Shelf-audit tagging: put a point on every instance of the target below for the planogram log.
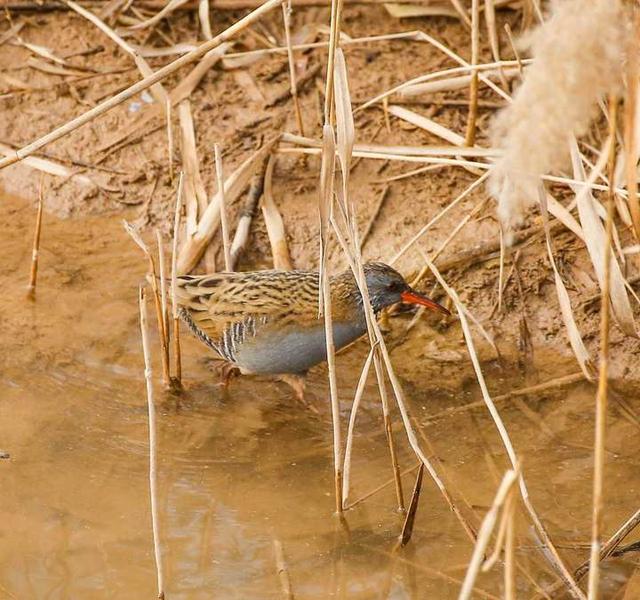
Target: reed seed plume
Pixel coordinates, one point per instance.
(578, 56)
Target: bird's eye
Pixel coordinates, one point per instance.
(394, 286)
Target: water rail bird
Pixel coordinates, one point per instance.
(267, 322)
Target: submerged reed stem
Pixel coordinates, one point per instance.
(153, 476)
(603, 373)
(33, 274)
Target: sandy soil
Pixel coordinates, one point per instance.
(235, 108)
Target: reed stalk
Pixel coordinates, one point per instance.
(163, 289)
(153, 460)
(470, 137)
(224, 224)
(177, 358)
(153, 279)
(351, 427)
(33, 273)
(170, 143)
(286, 16)
(603, 374)
(484, 535)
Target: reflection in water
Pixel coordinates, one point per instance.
(240, 471)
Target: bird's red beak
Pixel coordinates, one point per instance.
(412, 297)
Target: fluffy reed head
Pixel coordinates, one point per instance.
(578, 55)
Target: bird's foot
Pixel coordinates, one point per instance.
(297, 383)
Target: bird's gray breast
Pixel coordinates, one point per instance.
(293, 351)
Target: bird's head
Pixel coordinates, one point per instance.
(386, 287)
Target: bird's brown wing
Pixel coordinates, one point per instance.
(228, 306)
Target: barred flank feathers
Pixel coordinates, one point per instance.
(578, 56)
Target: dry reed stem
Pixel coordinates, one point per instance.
(334, 38)
(552, 555)
(283, 571)
(484, 535)
(601, 397)
(470, 137)
(169, 115)
(427, 124)
(153, 277)
(33, 273)
(509, 549)
(51, 167)
(274, 223)
(409, 522)
(494, 42)
(326, 189)
(153, 476)
(501, 272)
(174, 286)
(205, 23)
(140, 86)
(286, 16)
(163, 289)
(346, 481)
(514, 48)
(247, 212)
(223, 209)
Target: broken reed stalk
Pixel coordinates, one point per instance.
(409, 522)
(163, 289)
(203, 15)
(177, 358)
(223, 209)
(286, 15)
(274, 223)
(470, 137)
(153, 477)
(138, 87)
(510, 548)
(169, 111)
(153, 276)
(484, 535)
(603, 373)
(351, 428)
(247, 212)
(33, 273)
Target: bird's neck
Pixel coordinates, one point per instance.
(346, 299)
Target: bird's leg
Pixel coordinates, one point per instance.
(227, 372)
(297, 383)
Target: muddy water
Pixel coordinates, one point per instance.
(242, 472)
